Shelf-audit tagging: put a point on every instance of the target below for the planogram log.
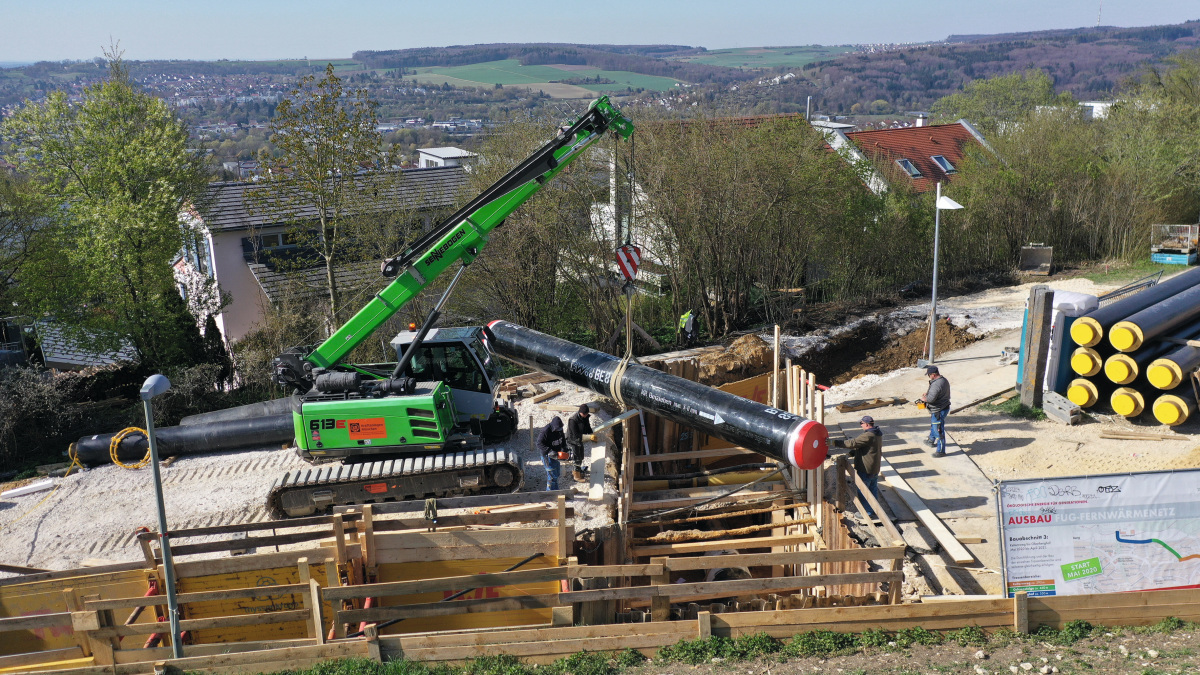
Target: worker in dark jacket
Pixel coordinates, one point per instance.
(578, 426)
(867, 451)
(937, 402)
(551, 441)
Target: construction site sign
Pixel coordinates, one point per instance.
(629, 258)
(1101, 534)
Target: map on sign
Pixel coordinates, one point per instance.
(1101, 534)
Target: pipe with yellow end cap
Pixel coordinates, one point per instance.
(1085, 393)
(1121, 368)
(1164, 374)
(1086, 361)
(1173, 410)
(1087, 331)
(1158, 320)
(1127, 402)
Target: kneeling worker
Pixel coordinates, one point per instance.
(867, 451)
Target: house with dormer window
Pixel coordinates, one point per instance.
(921, 156)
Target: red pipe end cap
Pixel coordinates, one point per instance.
(808, 445)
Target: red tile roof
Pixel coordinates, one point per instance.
(918, 145)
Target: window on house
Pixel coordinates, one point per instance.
(944, 163)
(909, 167)
(277, 240)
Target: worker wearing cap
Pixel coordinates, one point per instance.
(550, 442)
(867, 451)
(937, 401)
(578, 426)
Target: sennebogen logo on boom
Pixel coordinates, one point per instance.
(439, 252)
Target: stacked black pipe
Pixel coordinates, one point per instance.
(1133, 354)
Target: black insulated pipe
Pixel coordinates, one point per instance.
(777, 434)
(243, 434)
(1088, 330)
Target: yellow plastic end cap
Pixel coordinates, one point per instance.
(1081, 396)
(1120, 370)
(1125, 404)
(1168, 411)
(1085, 362)
(1124, 338)
(1085, 332)
(1162, 375)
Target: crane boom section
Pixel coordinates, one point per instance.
(463, 235)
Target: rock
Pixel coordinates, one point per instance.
(1152, 653)
(981, 670)
(1045, 660)
(717, 659)
(1027, 666)
(980, 655)
(1123, 650)
(1014, 669)
(1044, 670)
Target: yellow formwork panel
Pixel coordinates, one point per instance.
(46, 597)
(277, 576)
(451, 568)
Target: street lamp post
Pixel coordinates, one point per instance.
(156, 385)
(938, 205)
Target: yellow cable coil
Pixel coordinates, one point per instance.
(115, 443)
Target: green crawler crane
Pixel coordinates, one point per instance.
(419, 427)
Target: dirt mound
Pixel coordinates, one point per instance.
(745, 357)
(903, 352)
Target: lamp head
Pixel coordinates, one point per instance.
(155, 385)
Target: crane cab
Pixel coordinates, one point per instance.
(460, 357)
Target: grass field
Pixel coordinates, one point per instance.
(510, 72)
(768, 57)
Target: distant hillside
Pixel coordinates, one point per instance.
(642, 59)
(1088, 63)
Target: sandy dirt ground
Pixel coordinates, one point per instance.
(92, 516)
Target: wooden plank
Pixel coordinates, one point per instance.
(19, 569)
(456, 583)
(247, 542)
(432, 554)
(880, 512)
(672, 502)
(547, 396)
(957, 551)
(854, 406)
(418, 522)
(35, 658)
(318, 621)
(266, 660)
(429, 609)
(160, 653)
(202, 624)
(727, 544)
(502, 536)
(203, 596)
(719, 589)
(34, 622)
(418, 505)
(949, 609)
(502, 635)
(1021, 612)
(784, 558)
(692, 454)
(1099, 601)
(247, 563)
(291, 523)
(610, 571)
(553, 649)
(72, 573)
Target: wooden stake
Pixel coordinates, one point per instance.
(305, 575)
(562, 529)
(1021, 612)
(316, 620)
(660, 606)
(775, 372)
(368, 538)
(339, 538)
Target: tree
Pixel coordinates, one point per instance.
(329, 176)
(112, 172)
(1006, 98)
(21, 214)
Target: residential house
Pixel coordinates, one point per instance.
(922, 156)
(238, 247)
(447, 156)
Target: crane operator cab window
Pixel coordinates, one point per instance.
(451, 363)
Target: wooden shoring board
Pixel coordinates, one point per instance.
(721, 545)
(945, 537)
(416, 506)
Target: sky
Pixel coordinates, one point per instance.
(267, 29)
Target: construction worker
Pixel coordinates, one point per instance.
(867, 450)
(550, 442)
(688, 331)
(578, 426)
(937, 402)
